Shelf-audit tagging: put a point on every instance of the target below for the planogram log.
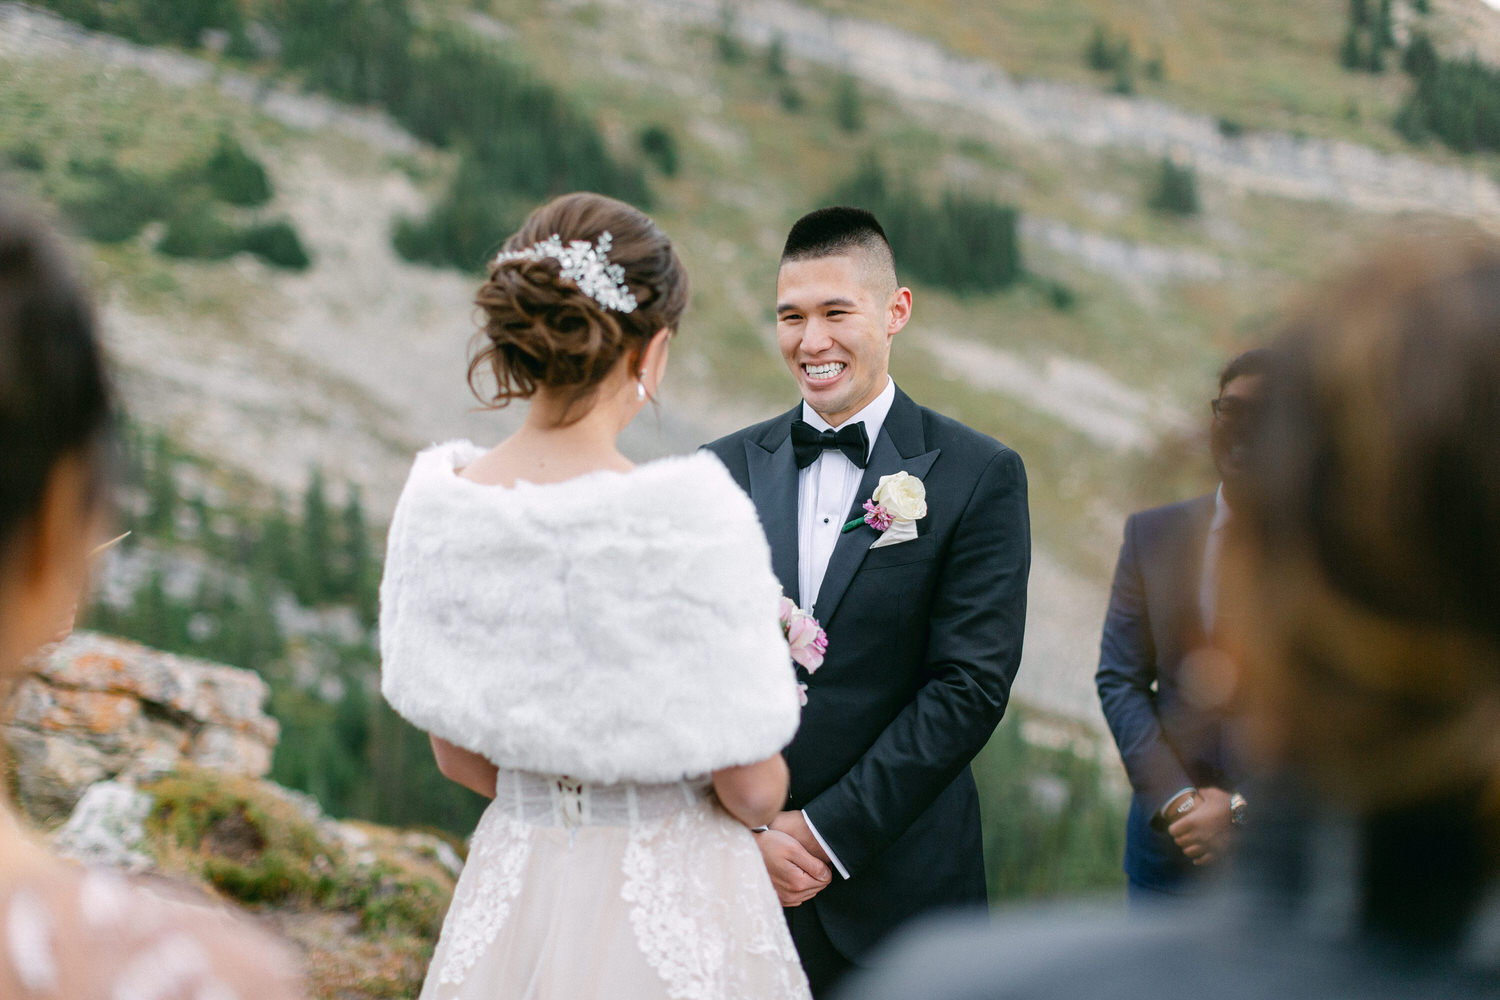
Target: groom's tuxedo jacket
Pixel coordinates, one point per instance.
(924, 638)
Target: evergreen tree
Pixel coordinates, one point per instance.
(1420, 57)
(1100, 52)
(362, 584)
(1385, 29)
(317, 548)
(1359, 13)
(1176, 189)
(776, 58)
(848, 106)
(1351, 53)
(161, 490)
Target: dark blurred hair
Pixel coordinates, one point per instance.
(542, 332)
(1256, 361)
(836, 231)
(1367, 547)
(54, 397)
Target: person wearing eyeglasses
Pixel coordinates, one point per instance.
(1157, 684)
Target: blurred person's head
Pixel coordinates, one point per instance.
(838, 304)
(1365, 560)
(1236, 417)
(54, 424)
(546, 336)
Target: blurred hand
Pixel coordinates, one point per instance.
(1203, 833)
(796, 874)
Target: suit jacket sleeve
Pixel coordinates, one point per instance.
(1127, 671)
(977, 620)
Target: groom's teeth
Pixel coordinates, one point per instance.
(824, 371)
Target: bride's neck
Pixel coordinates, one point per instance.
(587, 442)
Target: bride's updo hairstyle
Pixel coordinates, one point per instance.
(542, 332)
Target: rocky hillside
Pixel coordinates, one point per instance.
(155, 764)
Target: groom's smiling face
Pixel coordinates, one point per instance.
(835, 317)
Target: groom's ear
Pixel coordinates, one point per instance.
(897, 311)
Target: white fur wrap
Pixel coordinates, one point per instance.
(614, 627)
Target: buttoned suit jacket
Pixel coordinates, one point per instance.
(924, 639)
(1167, 739)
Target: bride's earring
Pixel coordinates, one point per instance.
(640, 387)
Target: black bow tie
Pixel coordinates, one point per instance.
(808, 443)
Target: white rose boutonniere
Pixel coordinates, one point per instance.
(900, 501)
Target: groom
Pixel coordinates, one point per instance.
(924, 632)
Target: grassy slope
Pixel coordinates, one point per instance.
(1272, 64)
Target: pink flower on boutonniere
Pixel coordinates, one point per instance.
(805, 639)
(900, 501)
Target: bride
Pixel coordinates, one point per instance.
(594, 646)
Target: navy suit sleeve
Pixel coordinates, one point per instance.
(1127, 671)
(977, 621)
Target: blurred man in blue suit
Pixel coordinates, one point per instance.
(1160, 691)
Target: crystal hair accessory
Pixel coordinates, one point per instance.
(586, 265)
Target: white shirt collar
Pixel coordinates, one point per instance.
(1221, 511)
(873, 415)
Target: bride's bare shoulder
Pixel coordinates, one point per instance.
(90, 933)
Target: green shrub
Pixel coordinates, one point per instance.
(848, 106)
(776, 58)
(197, 232)
(27, 156)
(1420, 57)
(1230, 128)
(234, 176)
(963, 243)
(1176, 189)
(117, 203)
(791, 98)
(1106, 53)
(659, 145)
(1457, 101)
(277, 244)
(1050, 828)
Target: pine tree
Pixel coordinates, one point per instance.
(361, 586)
(317, 544)
(1176, 190)
(776, 58)
(161, 490)
(1351, 53)
(1385, 32)
(848, 106)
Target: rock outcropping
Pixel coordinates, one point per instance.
(99, 708)
(155, 764)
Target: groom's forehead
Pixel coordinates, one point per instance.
(855, 273)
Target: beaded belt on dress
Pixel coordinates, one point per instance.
(558, 800)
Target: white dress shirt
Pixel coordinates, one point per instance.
(826, 491)
(1208, 583)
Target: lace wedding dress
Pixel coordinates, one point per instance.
(574, 890)
(622, 630)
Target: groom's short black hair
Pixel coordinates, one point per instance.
(838, 231)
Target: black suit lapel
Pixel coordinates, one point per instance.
(900, 447)
(773, 488)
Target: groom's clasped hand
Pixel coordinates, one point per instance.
(791, 854)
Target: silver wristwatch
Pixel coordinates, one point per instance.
(1238, 809)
